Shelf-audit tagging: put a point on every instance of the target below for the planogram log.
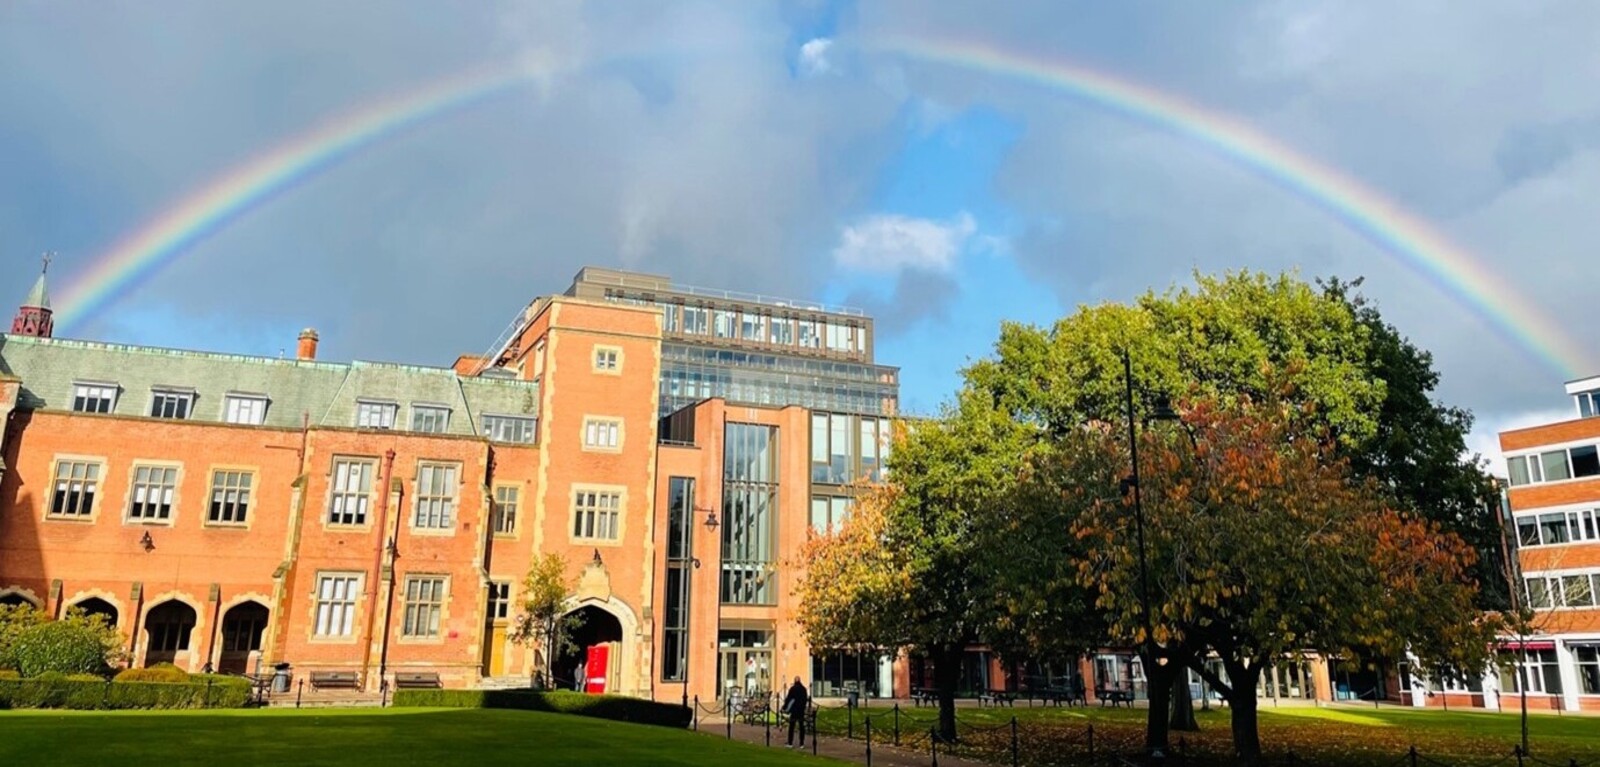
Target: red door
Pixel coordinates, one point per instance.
(595, 669)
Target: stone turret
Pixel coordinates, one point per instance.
(34, 316)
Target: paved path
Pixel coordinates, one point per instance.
(836, 748)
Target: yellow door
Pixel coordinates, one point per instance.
(496, 651)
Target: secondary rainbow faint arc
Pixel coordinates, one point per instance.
(201, 214)
(1378, 219)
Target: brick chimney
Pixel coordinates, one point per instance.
(308, 345)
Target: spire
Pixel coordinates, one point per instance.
(39, 297)
(33, 318)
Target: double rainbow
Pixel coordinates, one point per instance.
(1409, 239)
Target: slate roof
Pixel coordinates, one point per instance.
(326, 391)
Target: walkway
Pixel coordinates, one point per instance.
(835, 748)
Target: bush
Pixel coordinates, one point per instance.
(615, 707)
(52, 690)
(68, 647)
(14, 619)
(161, 672)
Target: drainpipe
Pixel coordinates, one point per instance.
(377, 568)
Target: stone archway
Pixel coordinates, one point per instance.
(598, 633)
(169, 632)
(18, 598)
(97, 606)
(243, 626)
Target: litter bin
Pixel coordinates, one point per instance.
(852, 698)
(280, 677)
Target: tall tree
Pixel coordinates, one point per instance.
(1262, 546)
(542, 622)
(908, 569)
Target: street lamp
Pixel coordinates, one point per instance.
(711, 525)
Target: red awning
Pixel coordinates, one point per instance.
(1537, 645)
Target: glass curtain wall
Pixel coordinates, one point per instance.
(749, 514)
(680, 570)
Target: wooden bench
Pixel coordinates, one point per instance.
(997, 697)
(1114, 697)
(921, 695)
(335, 680)
(753, 709)
(418, 680)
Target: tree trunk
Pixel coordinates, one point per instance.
(1242, 682)
(1182, 702)
(1158, 688)
(946, 672)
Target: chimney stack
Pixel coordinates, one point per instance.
(308, 345)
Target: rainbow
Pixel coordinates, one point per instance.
(1376, 218)
(146, 251)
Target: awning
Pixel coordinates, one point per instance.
(1535, 645)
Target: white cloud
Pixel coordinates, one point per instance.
(1484, 438)
(814, 57)
(891, 243)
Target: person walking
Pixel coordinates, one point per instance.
(794, 705)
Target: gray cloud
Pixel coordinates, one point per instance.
(918, 295)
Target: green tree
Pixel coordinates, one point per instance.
(14, 619)
(76, 644)
(542, 621)
(909, 570)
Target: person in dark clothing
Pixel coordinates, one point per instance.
(794, 706)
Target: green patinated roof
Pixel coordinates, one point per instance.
(326, 392)
(38, 297)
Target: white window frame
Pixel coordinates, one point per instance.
(334, 604)
(602, 433)
(438, 488)
(424, 412)
(95, 391)
(175, 399)
(505, 505)
(153, 485)
(422, 614)
(231, 497)
(498, 607)
(1533, 463)
(597, 515)
(82, 492)
(495, 427)
(608, 360)
(1582, 525)
(244, 409)
(376, 414)
(344, 501)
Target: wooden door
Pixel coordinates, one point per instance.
(495, 650)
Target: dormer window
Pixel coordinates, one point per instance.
(89, 397)
(245, 408)
(1588, 403)
(432, 419)
(375, 415)
(171, 403)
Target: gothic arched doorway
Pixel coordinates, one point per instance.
(98, 606)
(168, 627)
(592, 660)
(242, 627)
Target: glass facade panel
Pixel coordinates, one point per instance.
(690, 374)
(749, 514)
(1554, 464)
(680, 571)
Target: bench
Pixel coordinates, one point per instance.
(997, 697)
(753, 709)
(417, 681)
(335, 680)
(921, 695)
(1114, 697)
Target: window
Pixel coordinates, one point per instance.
(153, 487)
(607, 359)
(722, 323)
(602, 433)
(499, 600)
(375, 415)
(1588, 662)
(1588, 403)
(782, 331)
(94, 398)
(695, 320)
(752, 327)
(432, 419)
(230, 497)
(424, 604)
(680, 564)
(749, 514)
(505, 428)
(1539, 593)
(1554, 465)
(352, 491)
(1535, 668)
(1558, 527)
(828, 513)
(595, 515)
(436, 496)
(244, 408)
(1577, 590)
(170, 403)
(503, 514)
(1550, 591)
(336, 604)
(77, 482)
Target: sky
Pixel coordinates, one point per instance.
(792, 149)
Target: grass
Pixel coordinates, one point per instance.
(1343, 735)
(357, 738)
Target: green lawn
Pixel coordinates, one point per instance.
(1343, 735)
(359, 737)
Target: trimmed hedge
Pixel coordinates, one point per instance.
(163, 672)
(52, 692)
(615, 707)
